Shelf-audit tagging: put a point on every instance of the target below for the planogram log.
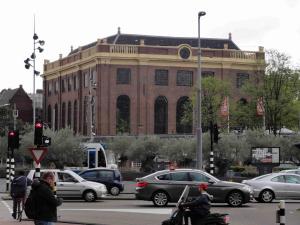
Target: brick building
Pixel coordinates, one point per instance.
(137, 83)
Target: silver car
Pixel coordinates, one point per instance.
(294, 171)
(71, 185)
(275, 186)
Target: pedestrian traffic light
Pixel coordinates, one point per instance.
(13, 139)
(38, 133)
(216, 133)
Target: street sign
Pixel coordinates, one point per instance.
(38, 154)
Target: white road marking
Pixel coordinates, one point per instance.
(7, 206)
(147, 211)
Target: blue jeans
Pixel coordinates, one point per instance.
(40, 222)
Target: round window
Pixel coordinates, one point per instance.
(185, 53)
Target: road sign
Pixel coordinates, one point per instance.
(38, 154)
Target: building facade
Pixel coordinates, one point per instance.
(139, 84)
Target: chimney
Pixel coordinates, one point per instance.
(71, 48)
(229, 36)
(46, 61)
(261, 48)
(20, 86)
(119, 30)
(60, 56)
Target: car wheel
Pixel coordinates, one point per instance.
(89, 196)
(235, 198)
(114, 191)
(266, 196)
(160, 198)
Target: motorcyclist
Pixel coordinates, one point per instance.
(199, 207)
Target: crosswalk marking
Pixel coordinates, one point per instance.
(162, 211)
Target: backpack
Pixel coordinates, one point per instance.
(30, 206)
(18, 187)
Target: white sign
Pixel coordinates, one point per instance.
(265, 155)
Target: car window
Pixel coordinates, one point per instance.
(64, 177)
(199, 177)
(89, 174)
(297, 172)
(180, 176)
(166, 176)
(292, 179)
(106, 174)
(278, 179)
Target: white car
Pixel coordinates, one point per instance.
(275, 186)
(71, 185)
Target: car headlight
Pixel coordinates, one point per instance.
(247, 188)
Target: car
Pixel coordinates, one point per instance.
(166, 186)
(295, 171)
(275, 186)
(71, 185)
(111, 178)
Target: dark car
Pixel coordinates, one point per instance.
(167, 185)
(111, 178)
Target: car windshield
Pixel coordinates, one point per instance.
(76, 176)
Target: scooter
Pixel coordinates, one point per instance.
(176, 217)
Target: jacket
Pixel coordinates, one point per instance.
(46, 202)
(200, 206)
(19, 186)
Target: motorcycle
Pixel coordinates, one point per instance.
(176, 217)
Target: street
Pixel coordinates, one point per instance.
(134, 212)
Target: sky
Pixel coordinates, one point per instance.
(273, 24)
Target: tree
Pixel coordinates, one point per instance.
(280, 91)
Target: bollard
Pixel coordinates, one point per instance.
(280, 214)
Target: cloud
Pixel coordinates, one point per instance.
(291, 3)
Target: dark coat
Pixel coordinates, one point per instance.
(200, 206)
(46, 201)
(19, 186)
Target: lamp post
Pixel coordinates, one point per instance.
(32, 58)
(198, 104)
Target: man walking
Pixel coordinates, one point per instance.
(45, 200)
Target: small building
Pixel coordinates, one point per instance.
(18, 98)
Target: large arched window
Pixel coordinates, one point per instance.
(56, 117)
(184, 115)
(123, 114)
(75, 117)
(63, 115)
(49, 116)
(161, 115)
(69, 114)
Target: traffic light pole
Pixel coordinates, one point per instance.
(211, 155)
(7, 169)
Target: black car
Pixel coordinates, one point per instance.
(167, 185)
(111, 178)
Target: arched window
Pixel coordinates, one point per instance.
(243, 101)
(69, 114)
(75, 117)
(161, 115)
(123, 114)
(63, 115)
(56, 117)
(49, 116)
(85, 114)
(184, 115)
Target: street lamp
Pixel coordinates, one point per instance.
(28, 64)
(198, 104)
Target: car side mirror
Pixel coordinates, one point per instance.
(210, 181)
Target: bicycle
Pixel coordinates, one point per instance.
(20, 208)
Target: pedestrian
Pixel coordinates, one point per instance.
(46, 201)
(18, 190)
(199, 207)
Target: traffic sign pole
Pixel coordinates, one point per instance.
(38, 154)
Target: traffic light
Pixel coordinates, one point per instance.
(13, 139)
(38, 133)
(216, 133)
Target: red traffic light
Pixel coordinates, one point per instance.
(11, 133)
(38, 125)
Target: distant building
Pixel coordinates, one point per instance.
(19, 98)
(138, 84)
(39, 95)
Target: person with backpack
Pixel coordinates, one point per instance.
(18, 190)
(44, 199)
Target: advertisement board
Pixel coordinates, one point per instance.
(268, 155)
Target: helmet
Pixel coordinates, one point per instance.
(203, 186)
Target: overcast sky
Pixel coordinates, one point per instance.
(273, 24)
